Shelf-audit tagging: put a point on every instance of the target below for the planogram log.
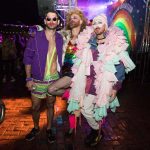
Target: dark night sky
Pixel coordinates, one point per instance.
(14, 11)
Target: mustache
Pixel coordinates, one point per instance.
(51, 27)
(72, 21)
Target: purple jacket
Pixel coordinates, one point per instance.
(36, 53)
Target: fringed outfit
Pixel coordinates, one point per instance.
(97, 70)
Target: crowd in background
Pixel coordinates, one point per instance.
(11, 55)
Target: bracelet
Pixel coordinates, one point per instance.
(29, 79)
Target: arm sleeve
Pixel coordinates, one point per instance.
(120, 74)
(29, 52)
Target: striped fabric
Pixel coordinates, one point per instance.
(41, 87)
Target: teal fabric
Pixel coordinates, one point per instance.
(77, 62)
(110, 65)
(130, 65)
(101, 112)
(73, 105)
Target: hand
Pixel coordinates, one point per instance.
(29, 85)
(113, 95)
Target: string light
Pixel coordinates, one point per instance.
(16, 29)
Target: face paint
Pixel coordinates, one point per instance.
(100, 21)
(51, 24)
(98, 24)
(51, 21)
(100, 30)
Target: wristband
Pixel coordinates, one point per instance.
(29, 79)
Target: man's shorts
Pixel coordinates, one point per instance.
(40, 89)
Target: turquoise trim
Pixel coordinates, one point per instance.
(110, 65)
(114, 104)
(129, 63)
(101, 112)
(73, 105)
(116, 60)
(77, 62)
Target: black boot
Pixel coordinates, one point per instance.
(69, 133)
(93, 138)
(30, 136)
(50, 136)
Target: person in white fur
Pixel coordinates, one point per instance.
(100, 65)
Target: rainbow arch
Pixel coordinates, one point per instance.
(124, 21)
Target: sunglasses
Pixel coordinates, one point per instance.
(51, 19)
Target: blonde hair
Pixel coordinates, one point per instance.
(79, 13)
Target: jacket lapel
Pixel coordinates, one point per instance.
(59, 47)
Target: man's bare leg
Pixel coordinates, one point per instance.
(58, 87)
(50, 111)
(36, 102)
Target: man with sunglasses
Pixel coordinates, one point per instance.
(75, 23)
(43, 60)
